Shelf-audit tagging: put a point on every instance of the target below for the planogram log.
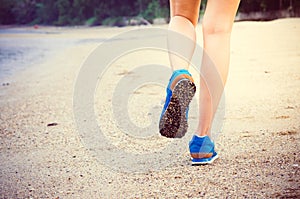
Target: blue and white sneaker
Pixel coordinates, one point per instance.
(202, 150)
(180, 91)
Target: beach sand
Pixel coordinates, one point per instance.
(258, 147)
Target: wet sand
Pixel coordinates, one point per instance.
(43, 154)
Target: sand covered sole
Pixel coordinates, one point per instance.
(173, 123)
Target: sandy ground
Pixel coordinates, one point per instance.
(258, 147)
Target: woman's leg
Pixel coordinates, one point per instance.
(184, 18)
(181, 88)
(217, 24)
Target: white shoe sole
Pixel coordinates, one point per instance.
(205, 160)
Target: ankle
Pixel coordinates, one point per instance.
(200, 136)
(202, 133)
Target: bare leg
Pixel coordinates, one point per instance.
(217, 25)
(184, 18)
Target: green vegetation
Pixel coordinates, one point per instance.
(106, 12)
(268, 5)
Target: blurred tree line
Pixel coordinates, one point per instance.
(95, 12)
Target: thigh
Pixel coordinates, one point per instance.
(186, 8)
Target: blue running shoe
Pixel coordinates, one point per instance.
(180, 91)
(202, 150)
